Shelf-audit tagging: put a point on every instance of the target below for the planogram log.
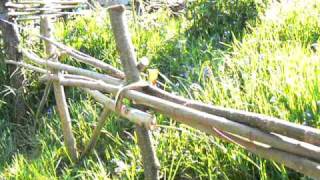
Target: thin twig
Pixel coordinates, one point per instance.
(44, 99)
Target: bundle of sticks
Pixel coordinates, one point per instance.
(31, 9)
(295, 146)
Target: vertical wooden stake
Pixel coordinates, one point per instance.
(62, 106)
(47, 89)
(16, 78)
(128, 59)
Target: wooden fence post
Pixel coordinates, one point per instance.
(15, 76)
(59, 93)
(128, 60)
(48, 87)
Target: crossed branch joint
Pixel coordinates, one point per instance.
(138, 86)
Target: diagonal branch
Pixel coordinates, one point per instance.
(86, 58)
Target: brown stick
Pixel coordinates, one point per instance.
(62, 106)
(128, 60)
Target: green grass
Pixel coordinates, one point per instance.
(267, 62)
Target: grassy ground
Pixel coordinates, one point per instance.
(247, 54)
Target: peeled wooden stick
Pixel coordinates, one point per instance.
(128, 60)
(195, 118)
(71, 69)
(62, 105)
(86, 59)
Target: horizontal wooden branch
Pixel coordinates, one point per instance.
(27, 66)
(87, 59)
(195, 118)
(266, 123)
(71, 69)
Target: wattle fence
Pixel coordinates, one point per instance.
(295, 146)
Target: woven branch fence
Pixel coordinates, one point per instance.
(295, 146)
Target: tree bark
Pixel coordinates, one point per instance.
(15, 76)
